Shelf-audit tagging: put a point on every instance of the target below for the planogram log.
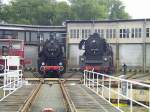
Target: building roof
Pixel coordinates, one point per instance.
(106, 21)
(31, 27)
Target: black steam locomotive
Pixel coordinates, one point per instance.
(98, 55)
(51, 62)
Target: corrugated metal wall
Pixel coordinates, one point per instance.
(31, 52)
(131, 54)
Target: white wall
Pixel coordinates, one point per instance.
(148, 55)
(74, 54)
(131, 54)
(31, 52)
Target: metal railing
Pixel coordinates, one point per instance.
(12, 80)
(110, 87)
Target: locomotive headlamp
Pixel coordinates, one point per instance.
(60, 63)
(105, 59)
(93, 41)
(43, 63)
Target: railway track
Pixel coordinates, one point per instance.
(62, 95)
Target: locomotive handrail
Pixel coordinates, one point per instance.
(124, 88)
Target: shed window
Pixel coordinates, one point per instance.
(140, 32)
(136, 32)
(74, 33)
(111, 33)
(121, 33)
(89, 32)
(86, 33)
(78, 33)
(107, 33)
(127, 33)
(114, 33)
(71, 33)
(132, 32)
(147, 32)
(83, 34)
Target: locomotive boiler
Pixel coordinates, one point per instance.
(51, 62)
(97, 56)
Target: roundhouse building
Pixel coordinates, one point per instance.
(33, 36)
(130, 40)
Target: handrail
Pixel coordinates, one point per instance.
(97, 83)
(12, 80)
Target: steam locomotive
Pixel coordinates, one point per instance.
(98, 55)
(51, 61)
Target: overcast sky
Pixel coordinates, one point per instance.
(136, 8)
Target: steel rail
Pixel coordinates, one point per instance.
(28, 102)
(68, 100)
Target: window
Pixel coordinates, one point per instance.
(27, 37)
(114, 33)
(121, 33)
(33, 36)
(127, 33)
(140, 32)
(46, 36)
(21, 35)
(96, 31)
(83, 33)
(74, 33)
(71, 33)
(99, 31)
(89, 32)
(107, 33)
(136, 32)
(110, 33)
(86, 33)
(147, 32)
(78, 33)
(124, 33)
(102, 33)
(132, 32)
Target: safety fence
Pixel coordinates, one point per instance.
(117, 90)
(10, 82)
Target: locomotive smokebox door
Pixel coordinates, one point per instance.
(5, 51)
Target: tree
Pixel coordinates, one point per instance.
(117, 10)
(89, 9)
(52, 12)
(62, 12)
(30, 12)
(99, 9)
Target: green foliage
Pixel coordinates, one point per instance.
(89, 9)
(52, 12)
(99, 9)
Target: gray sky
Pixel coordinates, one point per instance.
(136, 8)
